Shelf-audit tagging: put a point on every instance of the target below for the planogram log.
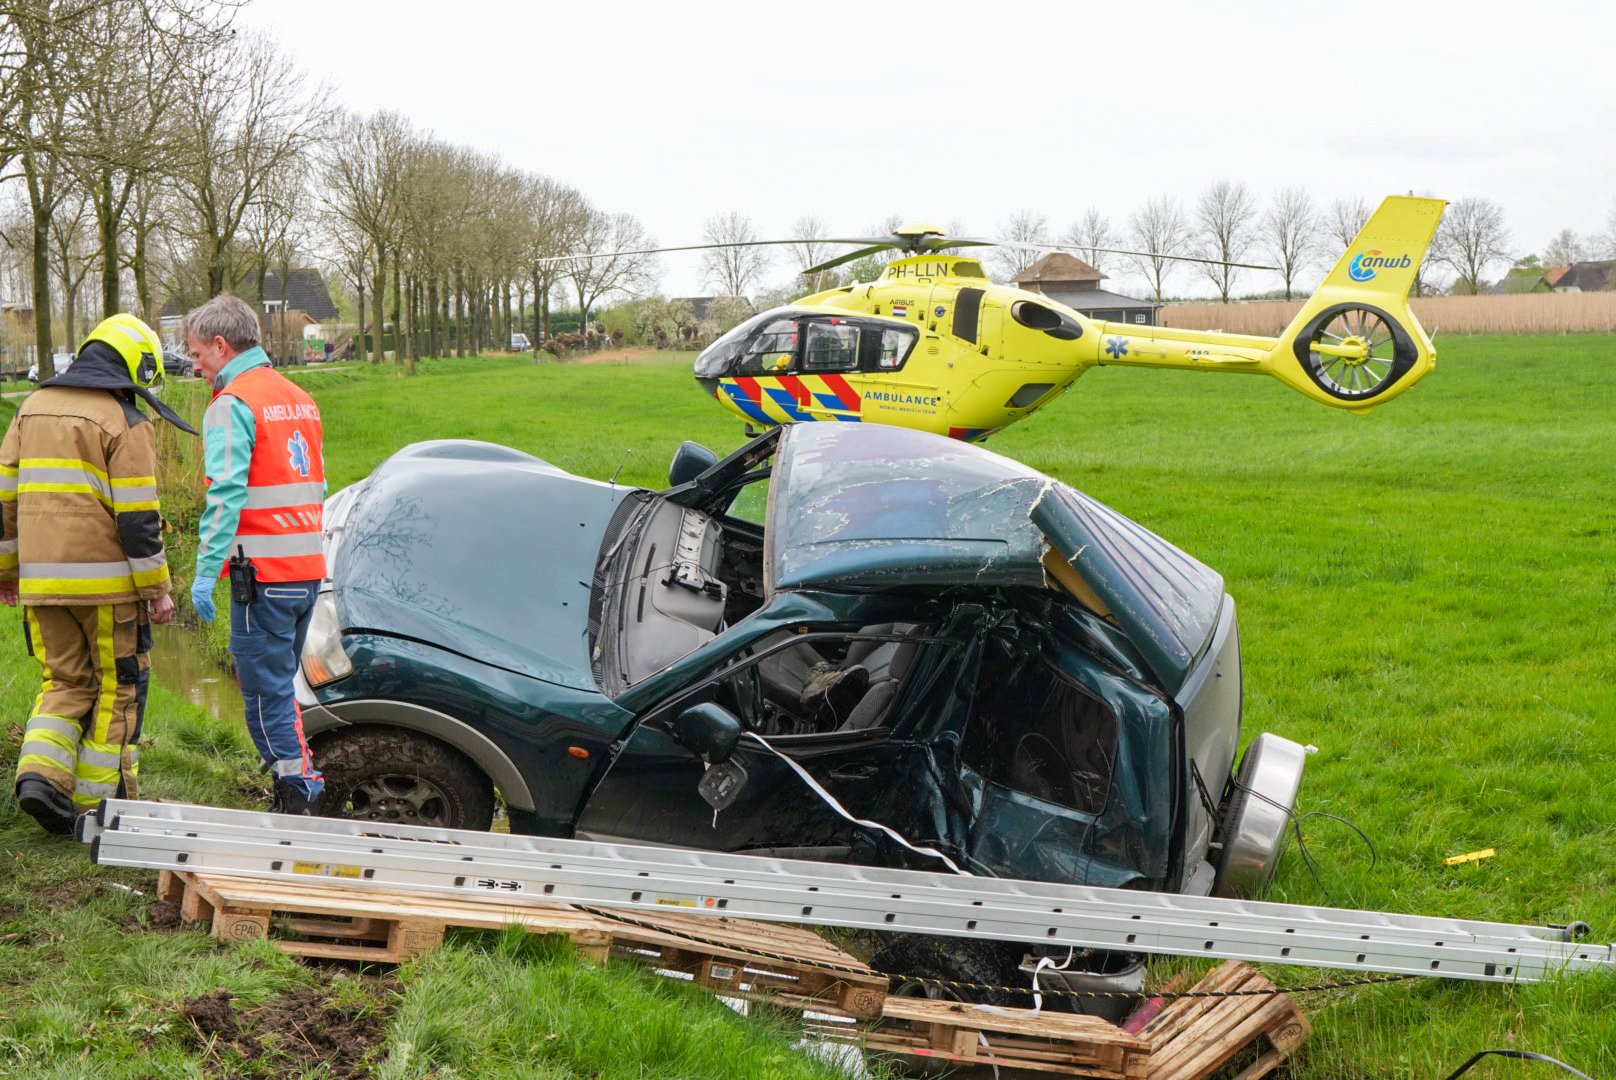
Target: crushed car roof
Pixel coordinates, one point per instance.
(872, 506)
(876, 507)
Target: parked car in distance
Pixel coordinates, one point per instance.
(177, 364)
(60, 362)
(520, 343)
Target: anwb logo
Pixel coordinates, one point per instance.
(1366, 263)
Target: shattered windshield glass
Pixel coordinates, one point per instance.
(891, 506)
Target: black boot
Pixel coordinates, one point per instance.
(289, 800)
(42, 802)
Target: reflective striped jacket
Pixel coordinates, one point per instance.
(78, 490)
(263, 420)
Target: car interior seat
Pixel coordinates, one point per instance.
(888, 664)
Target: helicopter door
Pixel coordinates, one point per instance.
(830, 354)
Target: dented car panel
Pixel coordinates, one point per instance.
(1166, 601)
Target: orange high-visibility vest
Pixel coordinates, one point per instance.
(282, 524)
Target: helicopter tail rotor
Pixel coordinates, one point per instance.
(1356, 342)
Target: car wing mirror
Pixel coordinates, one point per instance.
(690, 461)
(707, 730)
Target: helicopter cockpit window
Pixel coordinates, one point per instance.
(771, 350)
(832, 346)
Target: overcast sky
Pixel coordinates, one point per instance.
(967, 112)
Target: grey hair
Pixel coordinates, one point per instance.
(226, 316)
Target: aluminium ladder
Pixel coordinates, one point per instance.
(178, 836)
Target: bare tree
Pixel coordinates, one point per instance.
(1024, 227)
(251, 114)
(362, 171)
(1091, 235)
(1607, 241)
(1566, 248)
(1471, 238)
(73, 255)
(1157, 231)
(595, 278)
(810, 249)
(559, 215)
(1289, 234)
(1225, 229)
(1345, 221)
(41, 65)
(734, 271)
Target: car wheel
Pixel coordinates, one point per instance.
(402, 777)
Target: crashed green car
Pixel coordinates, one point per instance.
(842, 642)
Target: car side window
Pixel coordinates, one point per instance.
(1035, 731)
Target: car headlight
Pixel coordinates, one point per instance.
(324, 658)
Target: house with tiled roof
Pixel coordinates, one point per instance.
(1587, 277)
(1068, 280)
(305, 292)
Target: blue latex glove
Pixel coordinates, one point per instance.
(202, 598)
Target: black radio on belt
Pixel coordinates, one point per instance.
(243, 578)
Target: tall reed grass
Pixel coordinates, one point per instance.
(1532, 313)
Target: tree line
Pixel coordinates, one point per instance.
(1226, 223)
(151, 151)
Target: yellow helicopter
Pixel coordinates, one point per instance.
(933, 344)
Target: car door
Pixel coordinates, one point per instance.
(1067, 765)
(876, 770)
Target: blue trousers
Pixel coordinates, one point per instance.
(266, 640)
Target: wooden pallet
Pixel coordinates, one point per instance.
(330, 921)
(981, 1035)
(1198, 1037)
(1191, 1039)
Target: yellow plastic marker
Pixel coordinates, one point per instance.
(1474, 856)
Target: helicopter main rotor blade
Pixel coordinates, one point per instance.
(849, 257)
(1020, 246)
(955, 241)
(692, 247)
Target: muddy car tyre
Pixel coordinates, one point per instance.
(402, 777)
(909, 958)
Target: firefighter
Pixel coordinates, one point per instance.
(82, 549)
(262, 525)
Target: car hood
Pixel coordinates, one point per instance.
(474, 548)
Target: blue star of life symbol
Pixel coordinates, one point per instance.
(1116, 347)
(297, 448)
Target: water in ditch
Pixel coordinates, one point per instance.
(182, 667)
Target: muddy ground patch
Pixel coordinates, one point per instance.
(299, 1030)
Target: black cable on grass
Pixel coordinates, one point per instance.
(1523, 1055)
(1301, 844)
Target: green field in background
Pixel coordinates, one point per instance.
(1426, 594)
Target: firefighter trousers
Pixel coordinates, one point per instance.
(95, 667)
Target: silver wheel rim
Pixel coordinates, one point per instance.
(395, 797)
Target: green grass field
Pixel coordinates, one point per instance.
(1428, 595)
